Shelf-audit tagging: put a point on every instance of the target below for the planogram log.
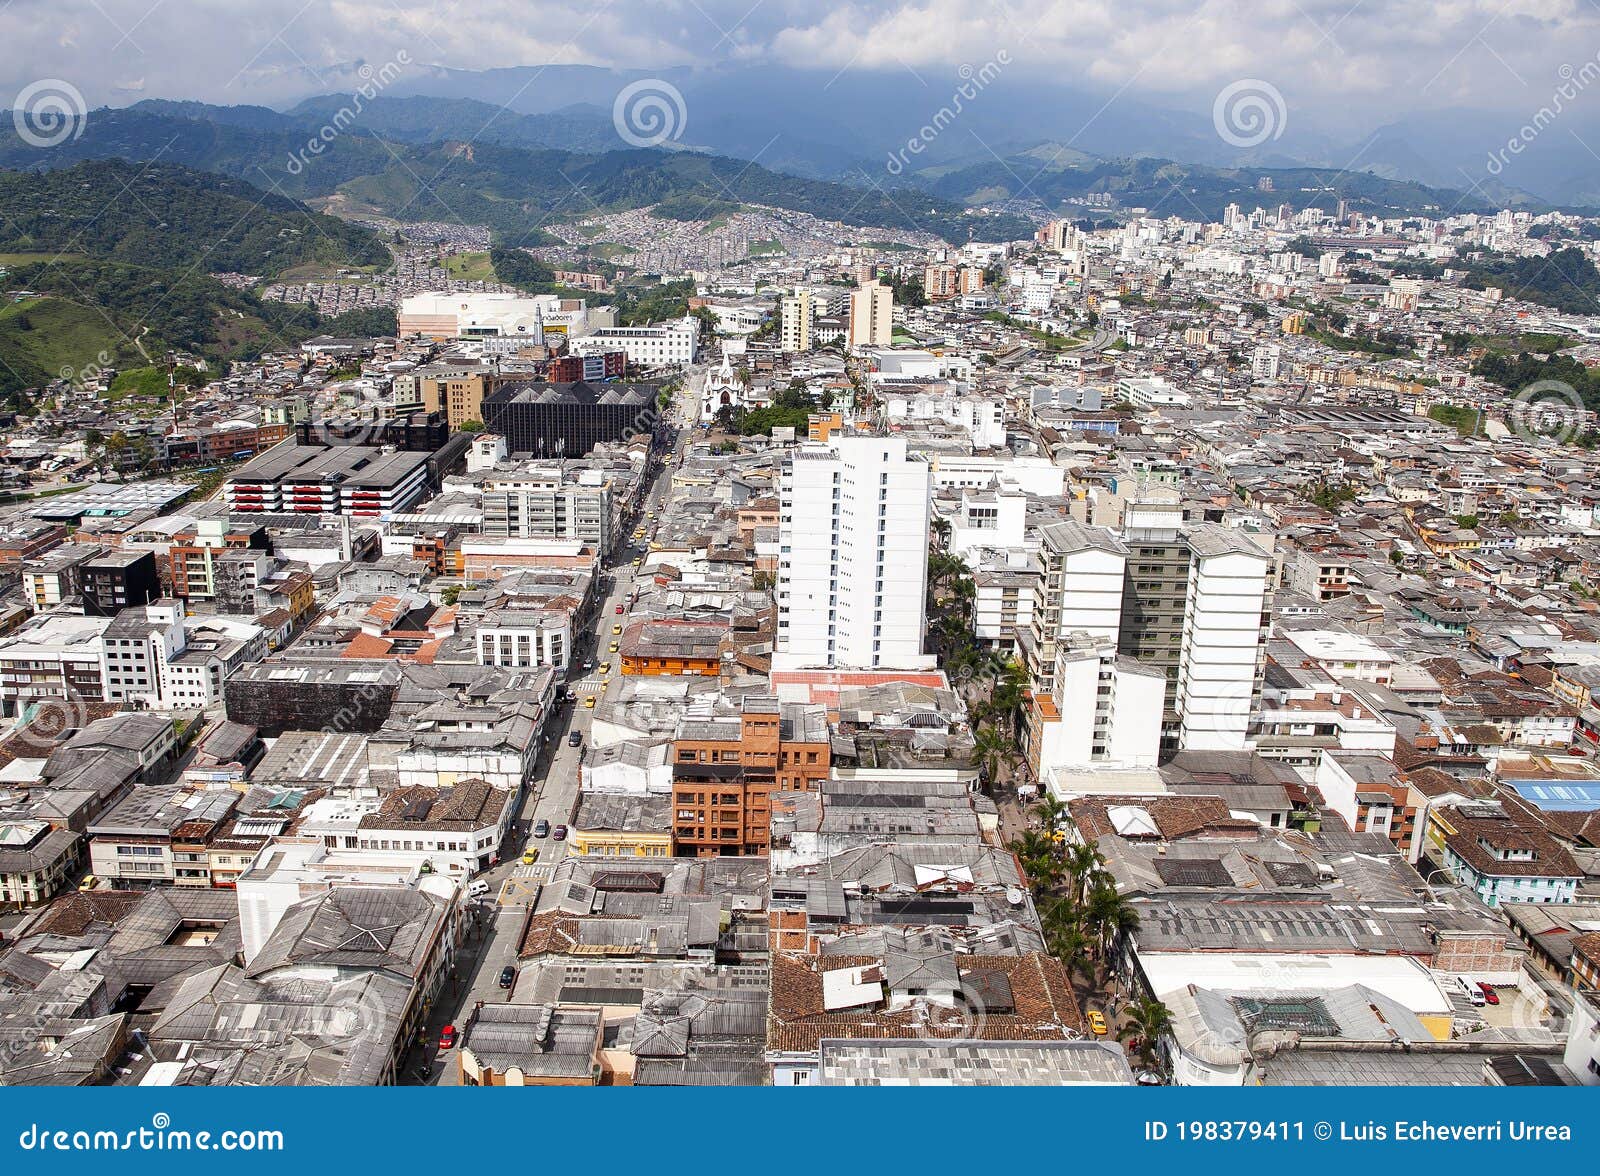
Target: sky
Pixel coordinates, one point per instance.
(1333, 60)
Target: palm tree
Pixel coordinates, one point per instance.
(991, 748)
(941, 532)
(1040, 860)
(1054, 814)
(1149, 1021)
(1109, 916)
(1084, 864)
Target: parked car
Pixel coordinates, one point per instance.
(560, 833)
(508, 975)
(89, 882)
(575, 739)
(447, 1037)
(478, 889)
(1489, 994)
(1097, 1023)
(541, 828)
(1473, 993)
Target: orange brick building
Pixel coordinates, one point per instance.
(724, 771)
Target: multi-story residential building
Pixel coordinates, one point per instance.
(673, 344)
(156, 835)
(55, 576)
(1499, 856)
(1187, 602)
(193, 557)
(871, 315)
(37, 860)
(117, 580)
(542, 502)
(724, 771)
(853, 565)
(53, 657)
(517, 637)
(797, 320)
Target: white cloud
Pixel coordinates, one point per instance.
(1331, 58)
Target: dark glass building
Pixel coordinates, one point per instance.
(568, 420)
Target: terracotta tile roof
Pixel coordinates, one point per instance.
(1044, 1006)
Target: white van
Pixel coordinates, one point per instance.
(478, 889)
(1474, 993)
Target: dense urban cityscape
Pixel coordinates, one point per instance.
(731, 630)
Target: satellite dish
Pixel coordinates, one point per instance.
(1015, 895)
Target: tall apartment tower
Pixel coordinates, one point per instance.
(1165, 627)
(853, 556)
(797, 314)
(871, 315)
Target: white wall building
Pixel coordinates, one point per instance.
(673, 344)
(853, 559)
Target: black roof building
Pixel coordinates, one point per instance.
(568, 420)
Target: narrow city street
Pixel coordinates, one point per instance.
(494, 921)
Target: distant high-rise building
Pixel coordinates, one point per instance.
(871, 315)
(853, 555)
(798, 315)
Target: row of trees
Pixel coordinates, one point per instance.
(1084, 917)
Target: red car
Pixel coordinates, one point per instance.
(560, 833)
(1489, 994)
(619, 610)
(447, 1037)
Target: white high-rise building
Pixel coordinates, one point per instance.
(797, 312)
(871, 315)
(853, 556)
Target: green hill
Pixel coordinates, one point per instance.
(165, 215)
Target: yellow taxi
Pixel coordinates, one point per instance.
(1097, 1023)
(616, 630)
(612, 648)
(605, 668)
(588, 703)
(89, 882)
(530, 857)
(639, 563)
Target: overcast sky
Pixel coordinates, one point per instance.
(1331, 58)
